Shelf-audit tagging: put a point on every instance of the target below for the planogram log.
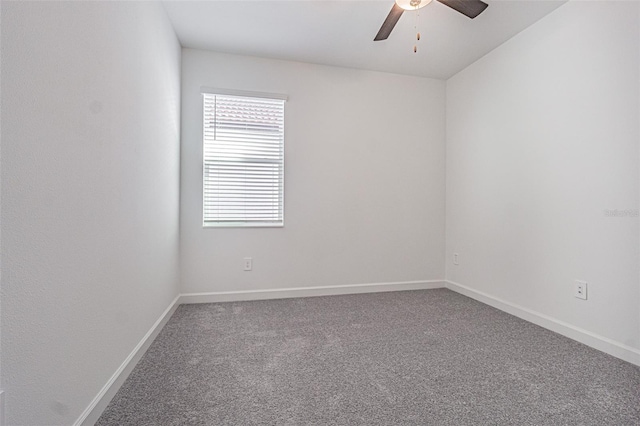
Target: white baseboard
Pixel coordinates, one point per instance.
(588, 338)
(100, 402)
(285, 293)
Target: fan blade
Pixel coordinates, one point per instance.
(470, 8)
(389, 23)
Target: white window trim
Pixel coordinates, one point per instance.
(232, 92)
(247, 93)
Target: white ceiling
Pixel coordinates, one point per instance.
(340, 33)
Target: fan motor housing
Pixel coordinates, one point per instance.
(412, 4)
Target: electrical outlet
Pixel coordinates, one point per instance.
(455, 259)
(248, 263)
(580, 290)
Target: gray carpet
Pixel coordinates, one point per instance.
(430, 357)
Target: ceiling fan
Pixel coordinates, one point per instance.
(470, 8)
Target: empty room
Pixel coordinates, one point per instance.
(320, 212)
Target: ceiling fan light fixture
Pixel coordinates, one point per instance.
(469, 8)
(412, 4)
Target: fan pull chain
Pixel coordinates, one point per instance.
(415, 27)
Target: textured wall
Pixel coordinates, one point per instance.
(542, 138)
(364, 179)
(90, 172)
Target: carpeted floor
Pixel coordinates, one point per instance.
(430, 357)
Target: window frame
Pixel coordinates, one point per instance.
(247, 94)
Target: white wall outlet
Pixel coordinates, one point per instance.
(248, 263)
(455, 259)
(580, 289)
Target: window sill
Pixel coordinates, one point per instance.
(243, 225)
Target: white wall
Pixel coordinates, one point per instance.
(364, 179)
(90, 180)
(542, 137)
(2, 416)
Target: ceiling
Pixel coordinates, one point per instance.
(340, 33)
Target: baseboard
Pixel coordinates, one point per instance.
(588, 338)
(100, 402)
(285, 293)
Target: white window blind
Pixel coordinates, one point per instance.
(243, 152)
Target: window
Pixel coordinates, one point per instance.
(243, 156)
